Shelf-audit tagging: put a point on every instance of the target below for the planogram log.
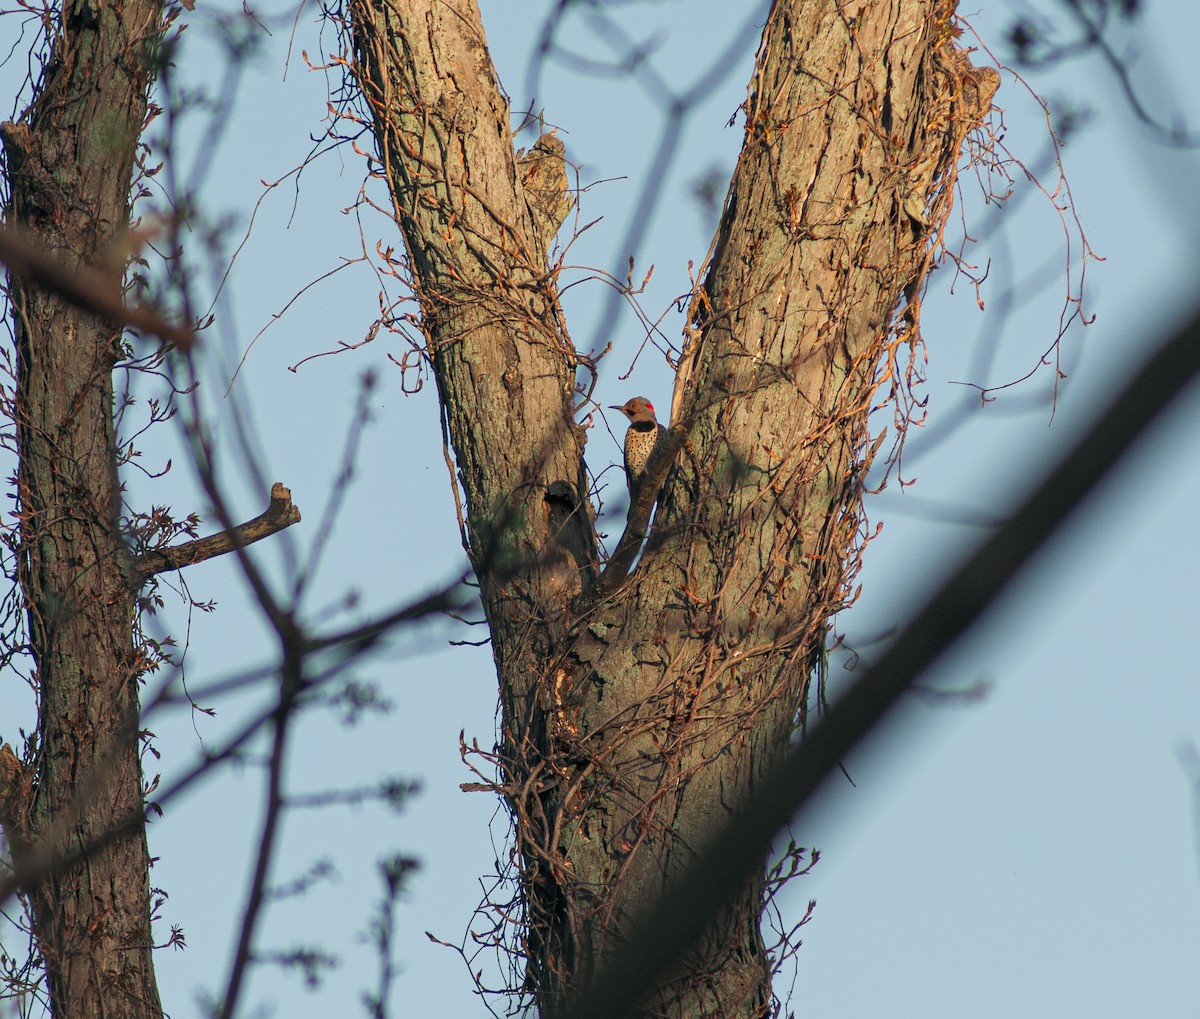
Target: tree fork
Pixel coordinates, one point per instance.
(639, 720)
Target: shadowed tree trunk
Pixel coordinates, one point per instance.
(637, 719)
(69, 162)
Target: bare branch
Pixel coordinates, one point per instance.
(281, 513)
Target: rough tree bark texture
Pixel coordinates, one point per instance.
(635, 723)
(69, 162)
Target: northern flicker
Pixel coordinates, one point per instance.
(643, 435)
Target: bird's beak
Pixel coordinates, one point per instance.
(615, 406)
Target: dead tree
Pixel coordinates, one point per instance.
(640, 707)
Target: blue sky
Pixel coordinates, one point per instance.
(1033, 851)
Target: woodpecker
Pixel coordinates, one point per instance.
(640, 440)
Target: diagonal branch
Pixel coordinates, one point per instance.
(281, 513)
(680, 916)
(89, 288)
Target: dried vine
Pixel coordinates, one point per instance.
(638, 706)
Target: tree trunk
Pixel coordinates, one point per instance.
(635, 723)
(69, 164)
